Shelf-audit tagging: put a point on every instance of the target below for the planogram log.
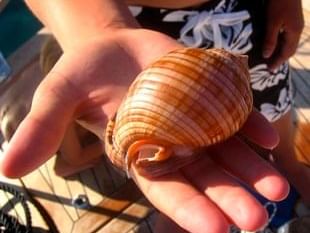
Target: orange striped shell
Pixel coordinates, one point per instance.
(190, 98)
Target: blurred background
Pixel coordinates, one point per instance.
(17, 25)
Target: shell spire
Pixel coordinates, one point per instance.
(187, 100)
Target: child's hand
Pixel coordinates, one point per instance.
(88, 83)
(284, 26)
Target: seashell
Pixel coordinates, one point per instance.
(189, 99)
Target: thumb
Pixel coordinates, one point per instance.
(39, 135)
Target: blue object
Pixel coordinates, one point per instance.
(5, 69)
(283, 211)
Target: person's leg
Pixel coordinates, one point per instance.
(285, 158)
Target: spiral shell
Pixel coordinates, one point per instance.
(189, 99)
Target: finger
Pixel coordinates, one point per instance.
(39, 135)
(165, 224)
(287, 47)
(175, 197)
(258, 130)
(271, 38)
(241, 161)
(240, 206)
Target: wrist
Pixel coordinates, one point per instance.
(76, 22)
(73, 38)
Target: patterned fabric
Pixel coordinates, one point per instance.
(236, 26)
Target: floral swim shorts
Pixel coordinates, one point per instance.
(236, 26)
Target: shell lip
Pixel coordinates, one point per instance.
(151, 151)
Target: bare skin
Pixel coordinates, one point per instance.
(72, 91)
(285, 160)
(284, 26)
(172, 4)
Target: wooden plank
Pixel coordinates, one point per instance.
(103, 178)
(59, 187)
(304, 115)
(301, 72)
(55, 197)
(129, 218)
(303, 50)
(76, 188)
(304, 35)
(109, 208)
(306, 12)
(85, 183)
(38, 221)
(91, 187)
(43, 170)
(306, 4)
(301, 61)
(54, 205)
(302, 142)
(8, 203)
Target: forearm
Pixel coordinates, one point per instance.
(74, 21)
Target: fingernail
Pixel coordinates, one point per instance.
(272, 69)
(266, 53)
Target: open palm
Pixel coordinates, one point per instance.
(87, 85)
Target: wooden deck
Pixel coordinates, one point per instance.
(300, 64)
(114, 204)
